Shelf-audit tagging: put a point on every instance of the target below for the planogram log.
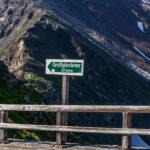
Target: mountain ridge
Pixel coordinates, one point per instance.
(96, 36)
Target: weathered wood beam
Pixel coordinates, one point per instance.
(58, 134)
(64, 101)
(3, 119)
(77, 108)
(6, 121)
(2, 135)
(126, 123)
(124, 131)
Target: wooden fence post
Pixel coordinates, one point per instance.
(126, 123)
(58, 134)
(2, 138)
(3, 119)
(65, 94)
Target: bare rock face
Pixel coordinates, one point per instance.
(20, 57)
(113, 24)
(15, 20)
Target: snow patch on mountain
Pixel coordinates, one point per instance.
(140, 25)
(121, 58)
(145, 2)
(2, 19)
(139, 70)
(141, 53)
(137, 141)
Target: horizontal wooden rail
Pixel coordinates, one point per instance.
(124, 131)
(77, 108)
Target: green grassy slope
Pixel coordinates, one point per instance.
(19, 94)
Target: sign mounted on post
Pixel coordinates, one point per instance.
(65, 67)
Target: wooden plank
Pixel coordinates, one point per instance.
(64, 100)
(2, 131)
(77, 108)
(126, 123)
(5, 121)
(58, 134)
(42, 108)
(125, 131)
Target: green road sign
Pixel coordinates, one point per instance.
(64, 67)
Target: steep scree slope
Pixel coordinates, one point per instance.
(113, 24)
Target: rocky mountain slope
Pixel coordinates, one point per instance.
(113, 45)
(115, 25)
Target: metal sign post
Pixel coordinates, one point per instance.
(65, 68)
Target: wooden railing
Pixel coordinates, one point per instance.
(126, 131)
